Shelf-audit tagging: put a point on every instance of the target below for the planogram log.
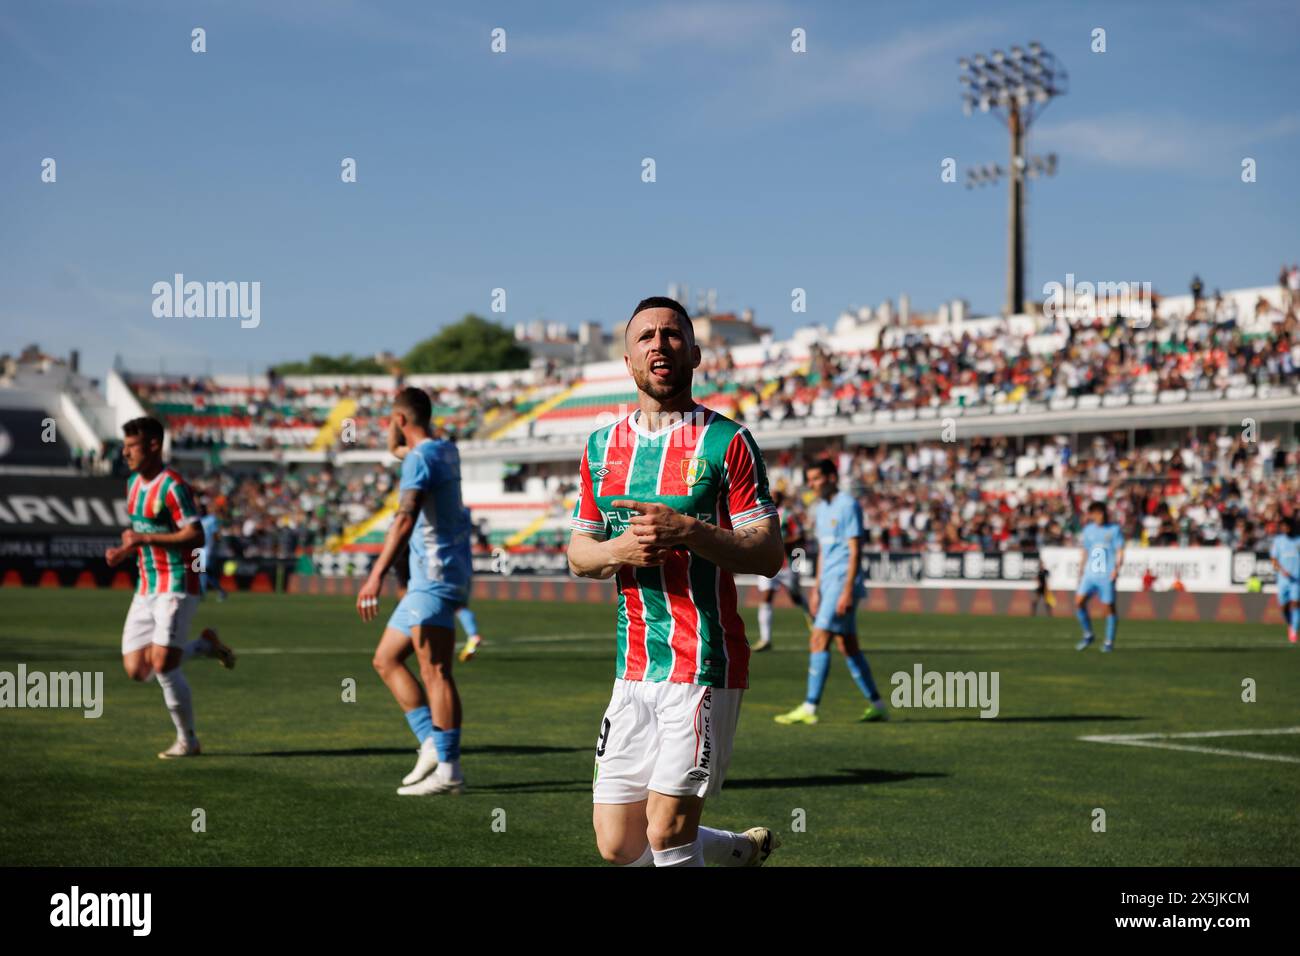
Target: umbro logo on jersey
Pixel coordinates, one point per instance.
(599, 469)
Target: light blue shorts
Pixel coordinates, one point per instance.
(1101, 588)
(1288, 591)
(827, 619)
(424, 609)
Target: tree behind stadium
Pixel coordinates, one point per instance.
(471, 345)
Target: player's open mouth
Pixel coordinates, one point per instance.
(661, 368)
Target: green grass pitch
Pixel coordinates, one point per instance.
(292, 774)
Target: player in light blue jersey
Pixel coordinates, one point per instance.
(464, 616)
(209, 576)
(1100, 557)
(1285, 555)
(834, 601)
(432, 519)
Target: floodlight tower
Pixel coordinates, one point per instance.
(1017, 86)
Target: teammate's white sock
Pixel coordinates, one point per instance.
(647, 858)
(724, 848)
(691, 854)
(448, 770)
(809, 707)
(195, 648)
(765, 622)
(176, 694)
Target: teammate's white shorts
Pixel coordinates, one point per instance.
(158, 619)
(671, 738)
(782, 579)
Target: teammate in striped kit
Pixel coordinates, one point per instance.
(165, 535)
(673, 501)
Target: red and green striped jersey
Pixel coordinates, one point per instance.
(162, 506)
(677, 622)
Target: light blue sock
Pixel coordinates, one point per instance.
(819, 668)
(1111, 622)
(467, 621)
(448, 744)
(861, 672)
(421, 722)
(1295, 617)
(1082, 614)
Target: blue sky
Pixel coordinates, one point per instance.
(522, 170)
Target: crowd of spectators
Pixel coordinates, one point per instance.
(1210, 348)
(1205, 351)
(990, 495)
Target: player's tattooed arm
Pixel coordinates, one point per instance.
(408, 509)
(754, 549)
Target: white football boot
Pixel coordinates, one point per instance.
(425, 765)
(181, 748)
(440, 781)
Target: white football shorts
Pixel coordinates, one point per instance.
(782, 579)
(158, 619)
(674, 739)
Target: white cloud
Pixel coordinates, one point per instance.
(1142, 141)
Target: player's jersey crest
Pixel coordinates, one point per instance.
(693, 469)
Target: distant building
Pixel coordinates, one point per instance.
(728, 329)
(556, 342)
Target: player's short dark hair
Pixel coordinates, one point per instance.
(147, 428)
(415, 402)
(660, 302)
(1098, 507)
(824, 465)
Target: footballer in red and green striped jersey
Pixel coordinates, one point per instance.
(679, 621)
(164, 534)
(672, 501)
(163, 505)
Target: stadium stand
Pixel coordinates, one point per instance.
(1143, 413)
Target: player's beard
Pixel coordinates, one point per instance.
(662, 391)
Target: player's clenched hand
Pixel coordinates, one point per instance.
(814, 602)
(844, 604)
(368, 600)
(132, 539)
(631, 549)
(657, 524)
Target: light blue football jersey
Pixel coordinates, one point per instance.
(1103, 541)
(838, 522)
(1286, 551)
(440, 541)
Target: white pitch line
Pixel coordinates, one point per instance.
(974, 647)
(1153, 740)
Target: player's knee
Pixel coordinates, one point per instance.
(666, 834)
(617, 853)
(140, 672)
